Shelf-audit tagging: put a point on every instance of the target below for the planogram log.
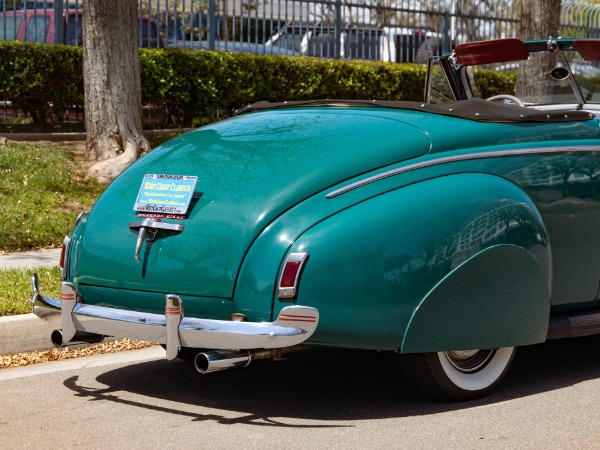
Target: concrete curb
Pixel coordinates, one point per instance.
(52, 137)
(24, 333)
(73, 137)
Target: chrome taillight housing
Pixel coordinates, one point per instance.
(64, 254)
(80, 217)
(290, 275)
(64, 257)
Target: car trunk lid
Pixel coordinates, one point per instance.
(250, 169)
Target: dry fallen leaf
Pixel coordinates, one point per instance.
(25, 359)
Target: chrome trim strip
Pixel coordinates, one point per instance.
(294, 325)
(79, 219)
(457, 158)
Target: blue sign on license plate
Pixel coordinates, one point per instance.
(165, 194)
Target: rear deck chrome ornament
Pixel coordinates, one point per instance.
(148, 230)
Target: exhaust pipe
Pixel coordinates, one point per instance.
(217, 360)
(81, 337)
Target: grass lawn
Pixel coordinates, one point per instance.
(15, 288)
(42, 190)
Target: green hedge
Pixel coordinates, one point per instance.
(189, 83)
(194, 81)
(37, 76)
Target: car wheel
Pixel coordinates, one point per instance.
(457, 375)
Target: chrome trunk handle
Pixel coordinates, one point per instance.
(148, 229)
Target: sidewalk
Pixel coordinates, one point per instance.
(25, 332)
(30, 260)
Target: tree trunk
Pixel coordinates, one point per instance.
(540, 19)
(112, 86)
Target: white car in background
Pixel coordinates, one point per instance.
(359, 41)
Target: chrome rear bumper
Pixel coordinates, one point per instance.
(294, 324)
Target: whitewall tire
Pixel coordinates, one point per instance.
(457, 375)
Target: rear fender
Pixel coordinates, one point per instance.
(414, 268)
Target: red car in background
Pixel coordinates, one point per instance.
(38, 25)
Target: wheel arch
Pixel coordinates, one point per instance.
(499, 297)
(391, 258)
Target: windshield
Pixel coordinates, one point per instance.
(527, 73)
(587, 75)
(544, 78)
(290, 40)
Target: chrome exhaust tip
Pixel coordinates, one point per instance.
(81, 337)
(216, 360)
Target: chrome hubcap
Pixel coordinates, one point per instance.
(469, 361)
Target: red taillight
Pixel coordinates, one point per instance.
(61, 262)
(290, 275)
(290, 272)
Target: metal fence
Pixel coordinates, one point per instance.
(386, 30)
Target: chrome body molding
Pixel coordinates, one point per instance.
(294, 324)
(458, 158)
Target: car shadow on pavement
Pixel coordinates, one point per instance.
(329, 385)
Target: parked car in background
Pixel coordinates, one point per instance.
(38, 25)
(359, 41)
(449, 231)
(233, 46)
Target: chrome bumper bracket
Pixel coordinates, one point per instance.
(68, 301)
(173, 316)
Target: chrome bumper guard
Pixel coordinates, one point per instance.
(294, 324)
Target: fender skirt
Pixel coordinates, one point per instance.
(498, 298)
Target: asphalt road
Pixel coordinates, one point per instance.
(332, 399)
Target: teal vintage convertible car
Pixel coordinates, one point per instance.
(449, 231)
